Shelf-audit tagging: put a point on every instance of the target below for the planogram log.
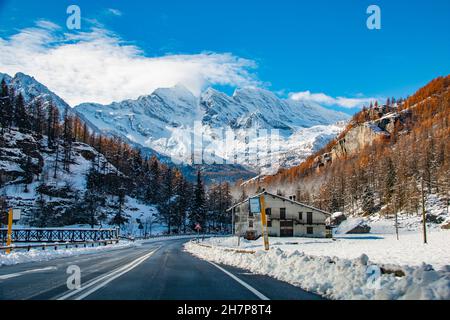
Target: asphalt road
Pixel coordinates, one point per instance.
(154, 271)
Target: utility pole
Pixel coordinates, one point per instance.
(232, 223)
(396, 224)
(396, 217)
(424, 216)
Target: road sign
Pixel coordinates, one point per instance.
(255, 205)
(198, 227)
(16, 214)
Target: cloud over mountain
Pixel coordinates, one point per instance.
(327, 100)
(98, 66)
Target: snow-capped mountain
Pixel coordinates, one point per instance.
(31, 89)
(253, 107)
(169, 120)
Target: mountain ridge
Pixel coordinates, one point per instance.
(162, 122)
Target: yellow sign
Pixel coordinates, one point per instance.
(264, 223)
(9, 236)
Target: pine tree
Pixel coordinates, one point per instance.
(120, 218)
(167, 204)
(227, 200)
(5, 106)
(93, 198)
(91, 205)
(85, 134)
(40, 213)
(3, 211)
(198, 214)
(28, 169)
(21, 117)
(4, 89)
(52, 125)
(181, 201)
(67, 137)
(38, 118)
(368, 204)
(153, 177)
(390, 180)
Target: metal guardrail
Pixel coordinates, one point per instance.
(31, 235)
(55, 246)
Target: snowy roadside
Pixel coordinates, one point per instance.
(382, 248)
(335, 278)
(36, 255)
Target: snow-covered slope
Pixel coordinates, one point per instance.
(27, 172)
(165, 121)
(32, 90)
(253, 107)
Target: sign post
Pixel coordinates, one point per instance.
(257, 205)
(198, 227)
(13, 215)
(9, 235)
(264, 223)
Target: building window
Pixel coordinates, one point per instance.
(268, 211)
(250, 224)
(282, 213)
(300, 216)
(309, 218)
(269, 223)
(310, 230)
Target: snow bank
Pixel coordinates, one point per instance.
(382, 248)
(36, 255)
(335, 278)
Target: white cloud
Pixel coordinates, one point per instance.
(98, 66)
(327, 100)
(115, 12)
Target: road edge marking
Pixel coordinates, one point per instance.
(241, 282)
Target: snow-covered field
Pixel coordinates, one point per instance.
(347, 267)
(381, 248)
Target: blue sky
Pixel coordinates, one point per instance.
(289, 46)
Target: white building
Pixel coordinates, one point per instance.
(285, 218)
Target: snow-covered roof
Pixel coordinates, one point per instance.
(280, 197)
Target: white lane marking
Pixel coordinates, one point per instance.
(102, 284)
(245, 284)
(107, 277)
(18, 274)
